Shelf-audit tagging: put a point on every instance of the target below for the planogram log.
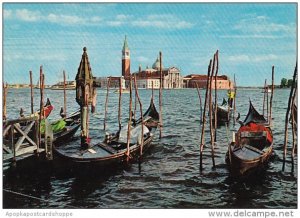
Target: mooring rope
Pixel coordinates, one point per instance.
(33, 197)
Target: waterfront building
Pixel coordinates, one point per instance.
(223, 81)
(171, 78)
(114, 82)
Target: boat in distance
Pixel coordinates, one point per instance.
(70, 85)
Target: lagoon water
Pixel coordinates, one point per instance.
(169, 175)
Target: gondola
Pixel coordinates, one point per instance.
(223, 112)
(114, 147)
(65, 128)
(251, 146)
(47, 110)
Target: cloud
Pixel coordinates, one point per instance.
(114, 23)
(62, 19)
(65, 19)
(255, 36)
(142, 59)
(269, 57)
(27, 15)
(257, 58)
(239, 58)
(123, 17)
(165, 21)
(7, 14)
(262, 24)
(96, 19)
(259, 26)
(162, 21)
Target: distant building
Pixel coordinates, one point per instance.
(171, 78)
(223, 82)
(114, 82)
(125, 60)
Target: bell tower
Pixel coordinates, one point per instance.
(125, 60)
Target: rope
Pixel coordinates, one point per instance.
(33, 197)
(24, 195)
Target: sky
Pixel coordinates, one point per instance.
(250, 38)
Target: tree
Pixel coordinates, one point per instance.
(284, 82)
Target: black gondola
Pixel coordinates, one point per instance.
(252, 145)
(114, 148)
(71, 127)
(223, 112)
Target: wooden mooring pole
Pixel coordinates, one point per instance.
(135, 101)
(152, 92)
(271, 98)
(264, 101)
(267, 103)
(31, 92)
(41, 106)
(120, 100)
(203, 119)
(234, 100)
(106, 102)
(294, 131)
(5, 87)
(65, 95)
(287, 118)
(216, 97)
(200, 101)
(130, 119)
(211, 113)
(142, 117)
(160, 96)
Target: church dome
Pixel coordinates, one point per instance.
(156, 64)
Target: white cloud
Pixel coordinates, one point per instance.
(122, 17)
(256, 36)
(246, 58)
(96, 19)
(7, 14)
(114, 23)
(142, 59)
(27, 15)
(239, 58)
(63, 19)
(263, 24)
(165, 21)
(162, 21)
(261, 58)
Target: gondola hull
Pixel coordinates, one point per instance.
(101, 154)
(244, 167)
(66, 135)
(223, 113)
(113, 150)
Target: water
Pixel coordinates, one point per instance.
(169, 175)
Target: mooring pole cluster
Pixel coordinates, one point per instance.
(212, 73)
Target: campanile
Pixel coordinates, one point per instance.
(125, 59)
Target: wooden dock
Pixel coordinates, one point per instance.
(20, 138)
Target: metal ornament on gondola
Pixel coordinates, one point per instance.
(85, 95)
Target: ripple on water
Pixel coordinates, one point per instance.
(169, 175)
